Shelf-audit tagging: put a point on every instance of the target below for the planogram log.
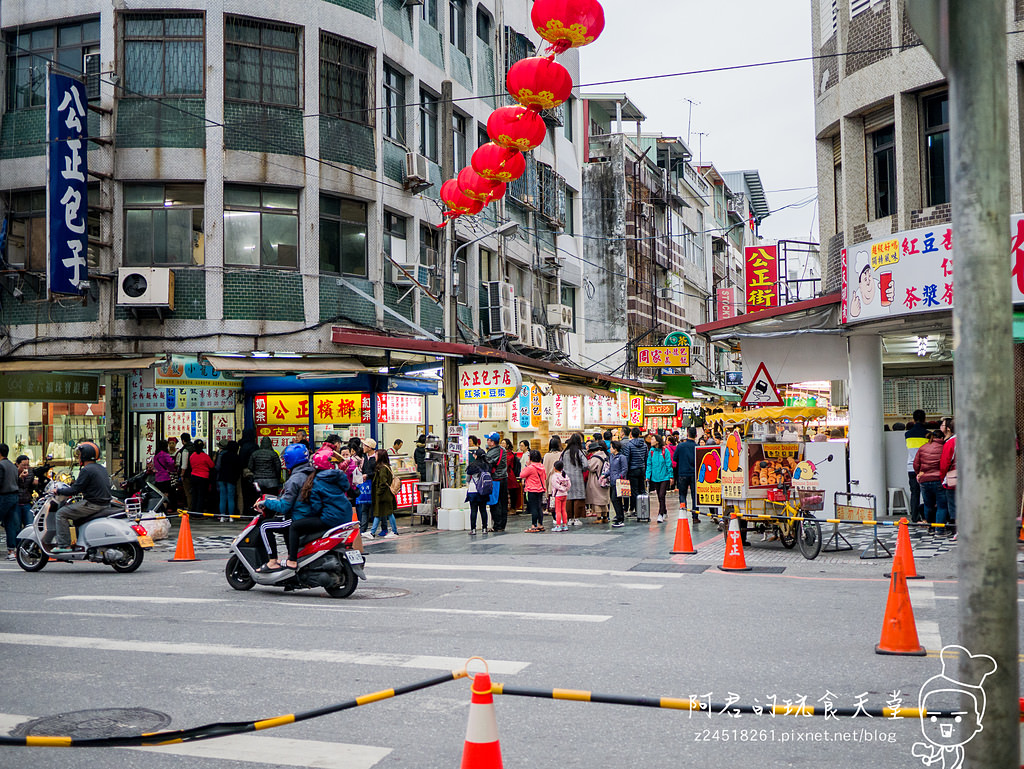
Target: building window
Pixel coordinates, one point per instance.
(395, 238)
(483, 25)
(457, 24)
(163, 224)
(430, 244)
(261, 227)
(883, 167)
(570, 104)
(346, 82)
(342, 236)
(488, 266)
(74, 47)
(570, 207)
(462, 277)
(261, 62)
(936, 147)
(26, 243)
(459, 139)
(429, 106)
(428, 12)
(568, 298)
(481, 135)
(163, 55)
(394, 104)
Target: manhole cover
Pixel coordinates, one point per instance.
(89, 724)
(378, 592)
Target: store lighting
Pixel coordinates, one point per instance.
(922, 346)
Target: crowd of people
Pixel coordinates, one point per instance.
(931, 470)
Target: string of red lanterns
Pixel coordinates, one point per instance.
(536, 83)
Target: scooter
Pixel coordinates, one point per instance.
(331, 559)
(104, 537)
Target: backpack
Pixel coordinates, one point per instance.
(485, 484)
(517, 466)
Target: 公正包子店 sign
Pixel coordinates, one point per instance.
(489, 383)
(67, 195)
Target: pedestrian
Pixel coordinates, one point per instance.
(229, 470)
(419, 456)
(608, 440)
(553, 454)
(915, 437)
(163, 472)
(659, 473)
(329, 451)
(199, 468)
(181, 462)
(289, 504)
(686, 472)
(515, 489)
(93, 483)
(478, 489)
(497, 458)
(247, 446)
(597, 496)
(27, 484)
(560, 487)
(265, 465)
(947, 466)
(616, 470)
(9, 489)
(384, 498)
(524, 454)
(301, 436)
(396, 447)
(474, 444)
(929, 477)
(574, 466)
(635, 451)
(535, 482)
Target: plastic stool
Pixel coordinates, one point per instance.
(901, 508)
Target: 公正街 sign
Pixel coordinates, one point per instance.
(67, 203)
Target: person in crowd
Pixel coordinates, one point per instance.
(289, 504)
(28, 482)
(200, 465)
(229, 471)
(560, 487)
(915, 437)
(163, 472)
(497, 458)
(93, 483)
(524, 454)
(597, 496)
(474, 444)
(608, 440)
(635, 450)
(615, 470)
(265, 465)
(324, 498)
(685, 458)
(396, 447)
(9, 498)
(534, 482)
(929, 476)
(362, 472)
(181, 462)
(385, 503)
(947, 466)
(246, 448)
(478, 490)
(515, 489)
(659, 473)
(419, 456)
(553, 454)
(574, 464)
(330, 450)
(301, 436)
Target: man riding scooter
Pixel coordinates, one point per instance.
(296, 462)
(93, 483)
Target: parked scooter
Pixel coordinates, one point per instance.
(105, 537)
(331, 559)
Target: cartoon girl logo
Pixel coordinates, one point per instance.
(946, 737)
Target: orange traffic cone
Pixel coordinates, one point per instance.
(684, 542)
(905, 551)
(899, 633)
(482, 749)
(734, 560)
(184, 550)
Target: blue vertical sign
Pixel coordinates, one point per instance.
(67, 201)
(524, 407)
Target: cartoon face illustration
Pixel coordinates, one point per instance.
(867, 285)
(804, 471)
(950, 732)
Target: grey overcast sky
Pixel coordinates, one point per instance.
(760, 118)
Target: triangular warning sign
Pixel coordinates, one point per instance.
(762, 390)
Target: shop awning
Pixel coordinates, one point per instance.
(718, 393)
(772, 414)
(64, 364)
(274, 366)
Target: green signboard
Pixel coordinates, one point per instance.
(42, 386)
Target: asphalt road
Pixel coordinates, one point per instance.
(594, 608)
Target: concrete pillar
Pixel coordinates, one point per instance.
(867, 441)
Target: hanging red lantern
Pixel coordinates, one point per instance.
(497, 193)
(516, 128)
(567, 23)
(474, 186)
(459, 203)
(539, 82)
(498, 163)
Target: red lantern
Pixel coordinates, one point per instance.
(568, 23)
(474, 186)
(516, 128)
(459, 204)
(496, 193)
(539, 82)
(498, 163)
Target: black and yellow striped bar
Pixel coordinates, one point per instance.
(762, 517)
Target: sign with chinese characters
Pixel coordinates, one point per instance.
(709, 475)
(761, 271)
(67, 195)
(636, 411)
(80, 388)
(410, 493)
(623, 404)
(281, 409)
(340, 408)
(574, 412)
(178, 422)
(520, 410)
(212, 397)
(536, 409)
(663, 357)
(489, 383)
(188, 372)
(399, 409)
(223, 428)
(554, 411)
(147, 439)
(660, 409)
(280, 435)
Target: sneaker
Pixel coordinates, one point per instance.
(472, 532)
(368, 535)
(391, 535)
(618, 525)
(12, 556)
(661, 518)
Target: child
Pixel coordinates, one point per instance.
(534, 482)
(560, 485)
(478, 490)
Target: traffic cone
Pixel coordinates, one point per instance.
(905, 550)
(184, 551)
(734, 560)
(899, 633)
(684, 543)
(482, 749)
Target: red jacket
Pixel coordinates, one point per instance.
(948, 460)
(533, 477)
(926, 462)
(200, 464)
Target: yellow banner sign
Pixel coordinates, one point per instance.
(663, 357)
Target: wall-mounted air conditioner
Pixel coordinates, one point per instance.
(501, 308)
(559, 315)
(143, 287)
(417, 170)
(524, 319)
(539, 337)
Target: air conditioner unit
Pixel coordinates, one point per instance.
(539, 337)
(417, 169)
(524, 319)
(145, 287)
(559, 315)
(646, 210)
(501, 308)
(665, 293)
(560, 340)
(396, 275)
(566, 316)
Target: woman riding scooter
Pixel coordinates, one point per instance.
(325, 493)
(289, 504)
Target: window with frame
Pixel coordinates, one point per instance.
(395, 241)
(428, 12)
(936, 148)
(163, 224)
(568, 297)
(261, 62)
(261, 227)
(459, 139)
(74, 47)
(883, 167)
(488, 266)
(26, 239)
(430, 246)
(343, 236)
(481, 135)
(462, 276)
(457, 24)
(483, 25)
(570, 104)
(570, 206)
(163, 54)
(346, 80)
(394, 104)
(429, 108)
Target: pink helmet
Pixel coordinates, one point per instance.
(322, 458)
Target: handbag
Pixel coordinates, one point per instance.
(622, 487)
(365, 493)
(950, 480)
(396, 485)
(357, 474)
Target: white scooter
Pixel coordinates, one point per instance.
(105, 537)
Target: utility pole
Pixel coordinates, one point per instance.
(967, 39)
(449, 377)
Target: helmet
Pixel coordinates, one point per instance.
(87, 451)
(295, 454)
(322, 458)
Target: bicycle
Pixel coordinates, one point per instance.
(795, 525)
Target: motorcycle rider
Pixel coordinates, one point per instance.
(296, 462)
(325, 493)
(93, 483)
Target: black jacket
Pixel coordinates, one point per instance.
(635, 451)
(686, 458)
(93, 483)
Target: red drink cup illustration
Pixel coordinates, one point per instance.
(885, 288)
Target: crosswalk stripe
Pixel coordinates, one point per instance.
(136, 599)
(377, 564)
(537, 582)
(928, 634)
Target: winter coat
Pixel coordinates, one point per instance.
(596, 493)
(265, 464)
(686, 459)
(419, 456)
(635, 452)
(384, 502)
(948, 460)
(473, 473)
(616, 469)
(926, 463)
(289, 503)
(578, 490)
(229, 466)
(534, 478)
(329, 497)
(163, 467)
(659, 465)
(200, 464)
(549, 465)
(497, 458)
(561, 485)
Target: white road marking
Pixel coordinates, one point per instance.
(922, 595)
(136, 599)
(506, 667)
(70, 613)
(957, 598)
(538, 582)
(521, 614)
(527, 569)
(282, 751)
(928, 635)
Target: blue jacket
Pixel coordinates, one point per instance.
(329, 499)
(659, 465)
(288, 503)
(686, 459)
(635, 452)
(616, 468)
